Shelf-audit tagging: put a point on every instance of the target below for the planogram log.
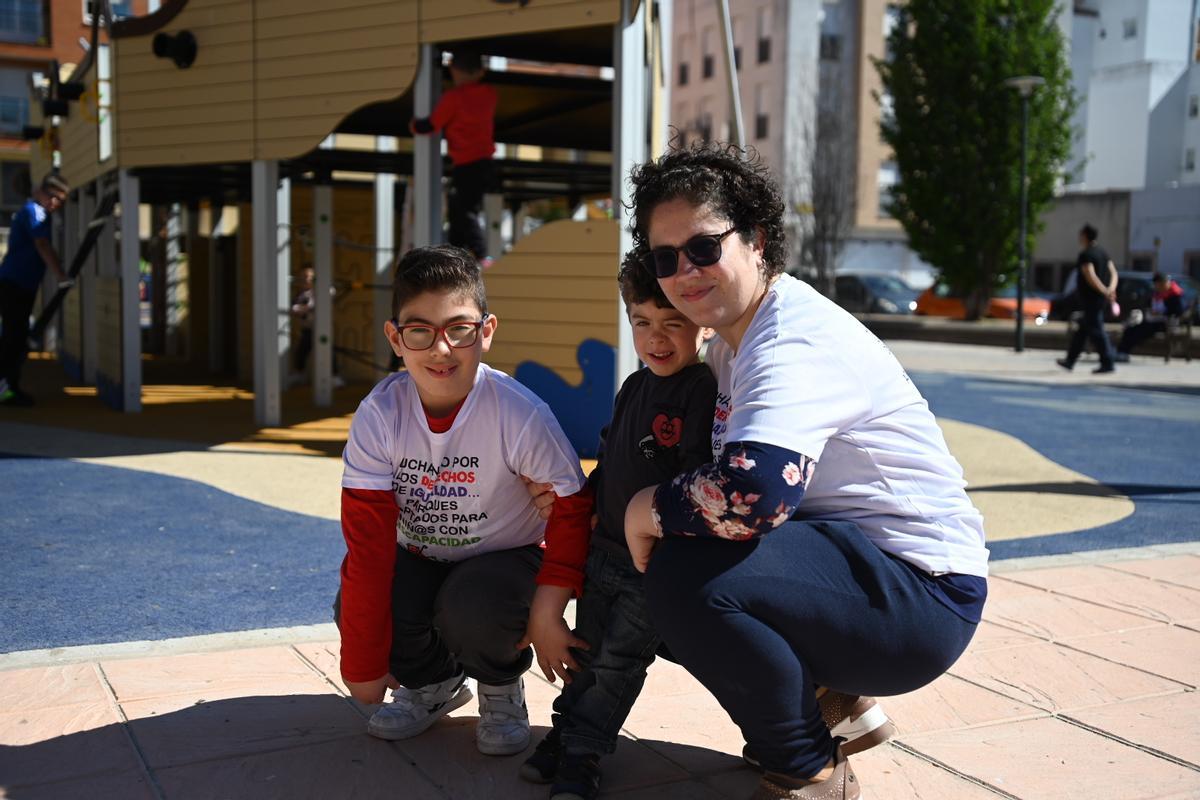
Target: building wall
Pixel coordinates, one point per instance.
(761, 85)
(1166, 223)
(1108, 212)
(1190, 146)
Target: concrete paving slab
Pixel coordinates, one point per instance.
(1169, 724)
(1181, 570)
(130, 785)
(63, 742)
(1051, 758)
(1169, 651)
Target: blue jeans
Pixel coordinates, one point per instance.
(611, 617)
(761, 623)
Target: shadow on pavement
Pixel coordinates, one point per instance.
(292, 746)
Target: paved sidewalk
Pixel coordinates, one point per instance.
(1081, 683)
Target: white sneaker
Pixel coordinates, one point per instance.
(411, 711)
(503, 727)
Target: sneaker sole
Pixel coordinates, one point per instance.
(530, 773)
(463, 697)
(869, 730)
(503, 749)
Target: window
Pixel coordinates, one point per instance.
(1129, 28)
(707, 62)
(683, 73)
(1191, 263)
(1193, 106)
(704, 121)
(1189, 160)
(120, 8)
(887, 108)
(831, 47)
(761, 124)
(764, 34)
(885, 181)
(14, 115)
(22, 21)
(14, 100)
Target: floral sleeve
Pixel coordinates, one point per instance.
(750, 490)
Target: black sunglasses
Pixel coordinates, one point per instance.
(703, 251)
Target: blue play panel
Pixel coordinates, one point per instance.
(101, 554)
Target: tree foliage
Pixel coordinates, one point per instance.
(955, 129)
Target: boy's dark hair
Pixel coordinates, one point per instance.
(444, 268)
(637, 284)
(730, 181)
(56, 183)
(466, 59)
(1088, 232)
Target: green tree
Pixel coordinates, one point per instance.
(955, 130)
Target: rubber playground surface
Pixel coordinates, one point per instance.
(185, 536)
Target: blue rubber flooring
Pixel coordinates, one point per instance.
(97, 554)
(1141, 443)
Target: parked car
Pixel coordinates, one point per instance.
(1134, 291)
(939, 301)
(867, 293)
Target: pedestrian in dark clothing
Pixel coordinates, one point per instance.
(466, 113)
(1166, 302)
(1097, 289)
(21, 272)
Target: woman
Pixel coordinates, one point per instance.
(831, 542)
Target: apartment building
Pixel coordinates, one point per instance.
(33, 35)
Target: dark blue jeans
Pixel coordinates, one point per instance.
(1091, 326)
(761, 623)
(611, 617)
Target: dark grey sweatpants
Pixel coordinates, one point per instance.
(468, 615)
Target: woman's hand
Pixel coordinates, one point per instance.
(552, 640)
(543, 496)
(371, 692)
(641, 527)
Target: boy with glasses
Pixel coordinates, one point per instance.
(443, 540)
(661, 425)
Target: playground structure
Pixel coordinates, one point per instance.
(240, 109)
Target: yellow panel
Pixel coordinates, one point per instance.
(323, 42)
(450, 20)
(318, 107)
(293, 68)
(386, 85)
(236, 97)
(338, 20)
(190, 154)
(186, 115)
(555, 288)
(214, 55)
(182, 135)
(169, 79)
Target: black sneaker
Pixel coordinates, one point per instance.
(542, 766)
(578, 777)
(1067, 365)
(1101, 370)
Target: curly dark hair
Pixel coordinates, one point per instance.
(637, 284)
(730, 181)
(444, 268)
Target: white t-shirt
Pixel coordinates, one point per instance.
(460, 492)
(810, 378)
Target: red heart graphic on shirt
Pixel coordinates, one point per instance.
(667, 430)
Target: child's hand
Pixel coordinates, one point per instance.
(552, 640)
(543, 496)
(371, 692)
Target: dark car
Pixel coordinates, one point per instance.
(861, 293)
(1134, 291)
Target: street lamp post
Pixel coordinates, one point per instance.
(1024, 85)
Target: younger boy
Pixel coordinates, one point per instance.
(661, 427)
(442, 537)
(467, 114)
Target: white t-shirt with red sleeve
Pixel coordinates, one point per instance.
(460, 492)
